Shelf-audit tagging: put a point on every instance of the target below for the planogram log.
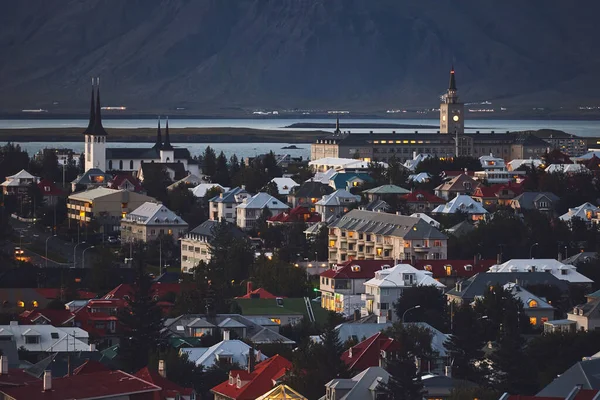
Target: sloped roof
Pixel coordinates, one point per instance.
(558, 269)
(229, 196)
(419, 196)
(281, 392)
(86, 178)
(566, 168)
(154, 214)
(190, 179)
(53, 190)
(347, 270)
(459, 268)
(237, 349)
(202, 188)
(166, 384)
(339, 197)
(296, 214)
(93, 194)
(376, 205)
(206, 229)
(457, 183)
(284, 185)
(580, 212)
(266, 335)
(54, 317)
(120, 179)
(461, 203)
(154, 168)
(263, 200)
(22, 174)
(585, 373)
(312, 189)
(526, 297)
(340, 179)
(368, 352)
(526, 200)
(462, 228)
(393, 277)
(260, 292)
(387, 189)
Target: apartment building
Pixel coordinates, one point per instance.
(151, 220)
(367, 235)
(222, 207)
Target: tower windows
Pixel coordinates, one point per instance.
(121, 165)
(110, 164)
(131, 164)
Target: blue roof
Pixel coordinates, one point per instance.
(340, 179)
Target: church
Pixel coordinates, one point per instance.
(128, 159)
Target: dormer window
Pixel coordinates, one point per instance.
(532, 303)
(32, 339)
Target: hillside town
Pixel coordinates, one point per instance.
(448, 265)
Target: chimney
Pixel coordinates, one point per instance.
(3, 365)
(350, 352)
(414, 155)
(448, 371)
(162, 368)
(47, 380)
(226, 335)
(92, 347)
(356, 314)
(248, 287)
(258, 356)
(381, 319)
(251, 360)
(560, 256)
(499, 258)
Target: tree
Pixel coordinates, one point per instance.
(279, 277)
(272, 189)
(210, 162)
(404, 382)
(141, 320)
(465, 344)
(329, 352)
(234, 167)
(49, 166)
(221, 175)
(416, 340)
(431, 302)
(180, 369)
(319, 244)
(377, 171)
(396, 173)
(155, 185)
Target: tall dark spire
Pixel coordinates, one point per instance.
(98, 129)
(92, 113)
(158, 143)
(167, 144)
(452, 85)
(337, 125)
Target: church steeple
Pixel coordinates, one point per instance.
(452, 85)
(92, 113)
(167, 143)
(337, 126)
(98, 129)
(158, 143)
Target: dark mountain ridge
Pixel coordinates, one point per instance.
(218, 55)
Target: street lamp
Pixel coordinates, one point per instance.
(75, 254)
(410, 309)
(531, 250)
(83, 256)
(48, 238)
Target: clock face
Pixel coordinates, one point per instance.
(456, 118)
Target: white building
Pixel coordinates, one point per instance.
(201, 189)
(388, 285)
(536, 308)
(416, 160)
(561, 271)
(494, 170)
(587, 212)
(340, 164)
(19, 182)
(515, 164)
(151, 220)
(465, 204)
(335, 204)
(227, 351)
(284, 185)
(223, 206)
(46, 338)
(249, 212)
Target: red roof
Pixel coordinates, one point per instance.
(119, 179)
(49, 188)
(494, 190)
(297, 214)
(258, 293)
(368, 352)
(259, 382)
(419, 196)
(459, 268)
(96, 385)
(54, 317)
(90, 367)
(348, 270)
(484, 191)
(16, 377)
(55, 293)
(169, 388)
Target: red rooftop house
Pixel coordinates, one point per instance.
(422, 201)
(296, 214)
(449, 272)
(254, 382)
(499, 194)
(170, 390)
(259, 293)
(371, 352)
(46, 316)
(99, 319)
(126, 182)
(50, 191)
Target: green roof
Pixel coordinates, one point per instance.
(595, 294)
(111, 352)
(266, 307)
(387, 189)
(178, 342)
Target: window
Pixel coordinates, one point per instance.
(533, 304)
(437, 243)
(533, 321)
(131, 164)
(332, 243)
(448, 269)
(184, 258)
(110, 164)
(544, 319)
(54, 335)
(383, 306)
(20, 304)
(184, 247)
(379, 251)
(153, 231)
(121, 164)
(32, 339)
(406, 244)
(34, 303)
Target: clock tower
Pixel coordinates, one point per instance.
(451, 111)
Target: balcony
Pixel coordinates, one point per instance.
(365, 297)
(352, 239)
(421, 249)
(388, 246)
(332, 237)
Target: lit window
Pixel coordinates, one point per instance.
(533, 304)
(170, 231)
(533, 321)
(379, 251)
(544, 319)
(276, 320)
(21, 304)
(332, 243)
(448, 269)
(34, 303)
(82, 214)
(123, 215)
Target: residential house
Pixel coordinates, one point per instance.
(412, 164)
(201, 189)
(540, 201)
(253, 382)
(150, 221)
(348, 180)
(366, 235)
(474, 287)
(366, 385)
(558, 269)
(586, 316)
(19, 183)
(105, 206)
(282, 392)
(308, 194)
(426, 218)
(17, 300)
(126, 182)
(341, 287)
(462, 204)
(536, 308)
(173, 171)
(376, 206)
(47, 316)
(170, 390)
(388, 285)
(461, 229)
(229, 351)
(449, 272)
(583, 257)
(442, 387)
(223, 206)
(494, 171)
(195, 245)
(335, 204)
(284, 185)
(497, 195)
(282, 311)
(50, 191)
(323, 177)
(190, 181)
(251, 209)
(421, 201)
(566, 169)
(371, 352)
(421, 177)
(91, 179)
(584, 375)
(585, 212)
(99, 318)
(45, 338)
(298, 214)
(460, 184)
(259, 293)
(346, 164)
(384, 192)
(516, 163)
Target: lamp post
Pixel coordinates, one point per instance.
(410, 309)
(83, 256)
(48, 238)
(531, 250)
(75, 254)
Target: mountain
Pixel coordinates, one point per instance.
(216, 56)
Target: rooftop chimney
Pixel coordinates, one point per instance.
(448, 371)
(251, 360)
(3, 365)
(162, 368)
(226, 334)
(47, 380)
(381, 319)
(499, 258)
(560, 256)
(248, 287)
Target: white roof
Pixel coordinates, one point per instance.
(420, 177)
(516, 163)
(339, 197)
(412, 164)
(462, 203)
(154, 214)
(51, 339)
(191, 179)
(284, 185)
(22, 174)
(92, 194)
(394, 277)
(580, 212)
(566, 168)
(427, 219)
(206, 357)
(323, 177)
(342, 163)
(587, 156)
(561, 271)
(201, 189)
(526, 297)
(491, 162)
(262, 200)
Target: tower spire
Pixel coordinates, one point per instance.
(452, 85)
(98, 129)
(158, 143)
(337, 125)
(167, 143)
(92, 112)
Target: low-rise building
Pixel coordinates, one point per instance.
(45, 338)
(105, 206)
(335, 204)
(587, 316)
(308, 194)
(282, 311)
(348, 180)
(388, 285)
(223, 206)
(586, 212)
(366, 235)
(422, 201)
(298, 214)
(91, 179)
(127, 182)
(536, 308)
(50, 191)
(284, 185)
(201, 189)
(230, 351)
(540, 201)
(385, 192)
(366, 385)
(566, 169)
(460, 184)
(495, 171)
(371, 352)
(561, 271)
(251, 209)
(463, 204)
(18, 185)
(151, 220)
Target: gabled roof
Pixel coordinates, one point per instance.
(554, 267)
(259, 381)
(263, 200)
(201, 189)
(580, 212)
(22, 174)
(282, 392)
(566, 168)
(337, 198)
(376, 205)
(279, 307)
(526, 200)
(311, 189)
(207, 357)
(229, 196)
(340, 179)
(260, 293)
(49, 188)
(53, 317)
(387, 189)
(584, 373)
(154, 214)
(206, 230)
(368, 352)
(460, 229)
(296, 214)
(458, 183)
(93, 194)
(461, 203)
(120, 180)
(154, 168)
(284, 185)
(393, 277)
(527, 297)
(361, 386)
(190, 179)
(167, 385)
(419, 196)
(93, 176)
